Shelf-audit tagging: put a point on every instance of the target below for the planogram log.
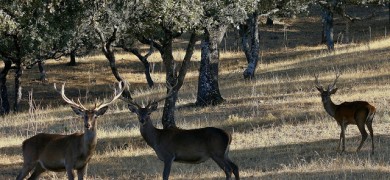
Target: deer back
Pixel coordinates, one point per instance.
(350, 112)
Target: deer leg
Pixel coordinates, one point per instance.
(167, 167)
(234, 168)
(341, 137)
(69, 171)
(364, 135)
(81, 172)
(224, 165)
(344, 127)
(27, 167)
(369, 126)
(37, 171)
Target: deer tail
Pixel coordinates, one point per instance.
(371, 114)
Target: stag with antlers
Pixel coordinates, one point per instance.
(57, 152)
(186, 146)
(360, 113)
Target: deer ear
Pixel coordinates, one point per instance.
(333, 91)
(77, 110)
(101, 111)
(132, 108)
(153, 106)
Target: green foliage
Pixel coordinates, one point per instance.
(224, 12)
(37, 30)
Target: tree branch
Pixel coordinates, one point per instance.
(186, 60)
(111, 39)
(144, 40)
(100, 33)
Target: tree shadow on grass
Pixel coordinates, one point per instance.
(9, 171)
(254, 163)
(262, 162)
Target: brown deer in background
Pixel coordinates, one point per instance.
(360, 113)
(57, 152)
(186, 146)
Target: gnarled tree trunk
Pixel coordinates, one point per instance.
(327, 22)
(208, 85)
(249, 33)
(110, 56)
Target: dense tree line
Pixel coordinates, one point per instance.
(32, 31)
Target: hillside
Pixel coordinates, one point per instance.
(279, 126)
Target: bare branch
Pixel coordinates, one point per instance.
(144, 40)
(186, 61)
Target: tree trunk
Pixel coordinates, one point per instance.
(208, 85)
(175, 79)
(145, 62)
(5, 107)
(18, 87)
(72, 61)
(327, 19)
(347, 30)
(112, 62)
(205, 89)
(168, 118)
(147, 73)
(251, 45)
(42, 72)
(323, 32)
(110, 56)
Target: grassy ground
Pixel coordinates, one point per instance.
(280, 129)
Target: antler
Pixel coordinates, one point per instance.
(66, 99)
(330, 87)
(169, 94)
(316, 81)
(130, 101)
(118, 93)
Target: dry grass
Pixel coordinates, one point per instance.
(280, 130)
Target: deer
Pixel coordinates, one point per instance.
(58, 152)
(191, 146)
(359, 113)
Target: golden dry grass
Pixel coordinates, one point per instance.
(280, 129)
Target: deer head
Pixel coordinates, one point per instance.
(143, 112)
(325, 94)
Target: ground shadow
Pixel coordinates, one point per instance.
(265, 162)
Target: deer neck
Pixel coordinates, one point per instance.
(149, 133)
(89, 140)
(329, 106)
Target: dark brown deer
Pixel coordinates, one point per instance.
(57, 152)
(186, 146)
(360, 113)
